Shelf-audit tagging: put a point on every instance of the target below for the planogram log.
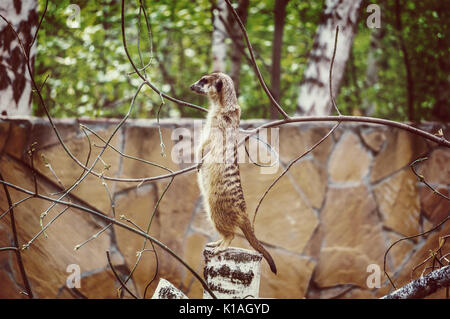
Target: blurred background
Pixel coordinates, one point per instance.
(337, 210)
(399, 71)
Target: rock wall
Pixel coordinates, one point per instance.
(331, 216)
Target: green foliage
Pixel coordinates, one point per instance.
(90, 75)
(425, 31)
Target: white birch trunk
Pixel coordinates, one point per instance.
(314, 96)
(15, 84)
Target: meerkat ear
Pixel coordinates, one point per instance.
(218, 85)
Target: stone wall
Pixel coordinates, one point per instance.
(334, 213)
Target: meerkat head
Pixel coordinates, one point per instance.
(218, 87)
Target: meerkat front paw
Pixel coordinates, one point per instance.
(218, 249)
(222, 245)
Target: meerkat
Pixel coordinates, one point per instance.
(218, 173)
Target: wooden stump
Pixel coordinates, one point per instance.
(232, 273)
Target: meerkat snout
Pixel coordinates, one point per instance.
(197, 88)
(200, 87)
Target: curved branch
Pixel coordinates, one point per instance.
(340, 118)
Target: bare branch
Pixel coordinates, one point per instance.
(422, 179)
(406, 238)
(23, 273)
(144, 79)
(255, 65)
(117, 276)
(114, 221)
(424, 286)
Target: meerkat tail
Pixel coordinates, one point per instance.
(247, 229)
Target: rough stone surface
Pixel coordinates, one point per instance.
(294, 141)
(399, 251)
(311, 178)
(321, 152)
(72, 228)
(349, 162)
(194, 242)
(201, 222)
(294, 215)
(137, 205)
(91, 190)
(292, 280)
(436, 169)
(100, 283)
(352, 238)
(374, 139)
(143, 142)
(322, 226)
(398, 201)
(435, 207)
(400, 150)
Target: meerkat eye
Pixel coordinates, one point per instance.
(218, 85)
(202, 81)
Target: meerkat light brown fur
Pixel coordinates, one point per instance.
(219, 178)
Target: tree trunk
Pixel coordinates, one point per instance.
(15, 84)
(277, 44)
(219, 48)
(314, 96)
(373, 66)
(409, 79)
(237, 42)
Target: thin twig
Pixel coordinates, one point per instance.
(31, 151)
(15, 205)
(117, 276)
(23, 273)
(8, 248)
(331, 71)
(271, 150)
(421, 178)
(42, 230)
(95, 161)
(316, 144)
(255, 65)
(123, 154)
(38, 27)
(92, 237)
(342, 118)
(292, 162)
(406, 238)
(50, 168)
(116, 222)
(146, 81)
(155, 208)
